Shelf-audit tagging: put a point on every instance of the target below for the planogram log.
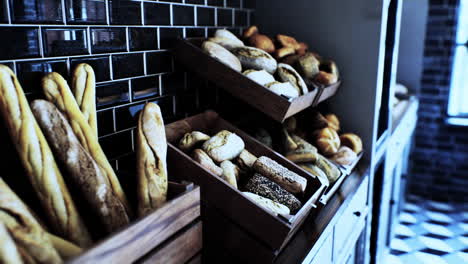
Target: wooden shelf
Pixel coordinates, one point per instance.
(189, 53)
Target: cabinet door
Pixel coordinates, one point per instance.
(324, 254)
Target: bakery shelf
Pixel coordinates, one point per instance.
(274, 231)
(150, 233)
(189, 53)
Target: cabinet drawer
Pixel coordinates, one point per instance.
(324, 254)
(350, 218)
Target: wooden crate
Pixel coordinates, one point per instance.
(272, 230)
(189, 53)
(147, 234)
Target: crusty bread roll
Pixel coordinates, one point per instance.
(250, 31)
(325, 78)
(81, 167)
(285, 88)
(38, 161)
(245, 160)
(332, 172)
(344, 156)
(352, 141)
(223, 146)
(327, 141)
(9, 253)
(205, 161)
(284, 52)
(267, 204)
(66, 249)
(190, 140)
(304, 152)
(287, 179)
(253, 58)
(291, 59)
(30, 238)
(265, 187)
(222, 54)
(301, 48)
(84, 89)
(230, 172)
(333, 122)
(56, 90)
(151, 159)
(308, 65)
(288, 74)
(262, 42)
(287, 41)
(261, 77)
(227, 43)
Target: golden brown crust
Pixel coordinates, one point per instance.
(57, 91)
(249, 32)
(304, 152)
(38, 161)
(205, 161)
(81, 167)
(151, 159)
(65, 248)
(287, 41)
(352, 141)
(283, 52)
(325, 78)
(9, 253)
(84, 90)
(302, 48)
(333, 122)
(28, 235)
(327, 141)
(262, 42)
(190, 140)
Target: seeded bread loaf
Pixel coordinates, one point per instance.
(287, 179)
(264, 187)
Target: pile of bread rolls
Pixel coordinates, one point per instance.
(262, 179)
(62, 130)
(283, 66)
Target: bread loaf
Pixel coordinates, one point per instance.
(352, 141)
(344, 156)
(288, 74)
(84, 90)
(287, 41)
(262, 42)
(56, 90)
(332, 172)
(246, 160)
(38, 161)
(284, 52)
(287, 179)
(227, 43)
(223, 146)
(308, 65)
(151, 160)
(80, 166)
(316, 172)
(191, 140)
(304, 152)
(267, 204)
(327, 141)
(301, 48)
(284, 88)
(224, 33)
(249, 32)
(205, 161)
(65, 248)
(261, 77)
(333, 122)
(230, 172)
(28, 235)
(253, 58)
(222, 54)
(264, 187)
(325, 78)
(9, 253)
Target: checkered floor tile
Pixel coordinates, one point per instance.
(430, 232)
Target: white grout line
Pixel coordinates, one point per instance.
(127, 36)
(64, 13)
(107, 12)
(130, 97)
(195, 16)
(7, 6)
(111, 68)
(142, 11)
(88, 39)
(113, 120)
(171, 15)
(41, 43)
(216, 17)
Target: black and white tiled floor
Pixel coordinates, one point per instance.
(430, 232)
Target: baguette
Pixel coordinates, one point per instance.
(65, 248)
(80, 166)
(9, 253)
(205, 161)
(57, 91)
(84, 90)
(38, 161)
(151, 159)
(287, 179)
(28, 235)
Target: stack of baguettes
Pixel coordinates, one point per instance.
(62, 130)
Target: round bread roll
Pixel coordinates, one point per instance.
(289, 74)
(190, 140)
(308, 65)
(222, 54)
(249, 32)
(286, 89)
(205, 161)
(224, 33)
(333, 122)
(344, 156)
(325, 78)
(261, 77)
(253, 58)
(352, 141)
(223, 146)
(262, 42)
(228, 43)
(327, 141)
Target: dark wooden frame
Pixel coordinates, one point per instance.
(275, 231)
(189, 53)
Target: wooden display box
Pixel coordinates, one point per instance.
(189, 53)
(153, 235)
(272, 230)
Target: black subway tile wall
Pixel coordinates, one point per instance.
(128, 44)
